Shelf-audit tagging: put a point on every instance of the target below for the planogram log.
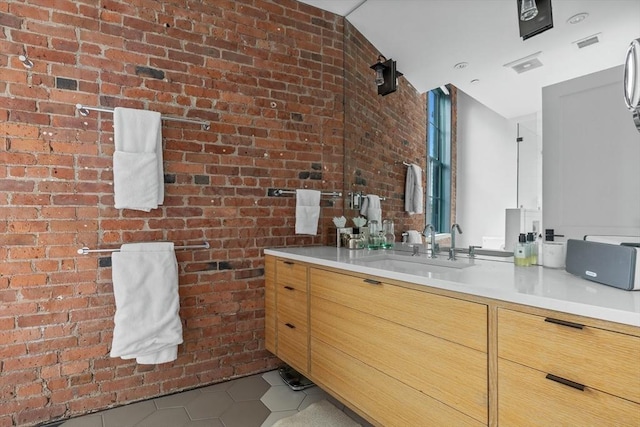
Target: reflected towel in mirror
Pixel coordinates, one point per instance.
(413, 191)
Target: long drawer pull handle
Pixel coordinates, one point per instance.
(288, 262)
(565, 381)
(289, 325)
(289, 288)
(564, 323)
(372, 282)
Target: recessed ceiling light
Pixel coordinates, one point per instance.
(461, 65)
(579, 17)
(475, 81)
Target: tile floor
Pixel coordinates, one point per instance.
(254, 401)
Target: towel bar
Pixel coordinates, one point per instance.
(85, 250)
(84, 112)
(276, 192)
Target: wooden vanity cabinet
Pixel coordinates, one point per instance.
(401, 356)
(556, 371)
(287, 312)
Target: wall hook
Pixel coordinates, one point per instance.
(26, 62)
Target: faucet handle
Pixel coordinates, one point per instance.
(472, 250)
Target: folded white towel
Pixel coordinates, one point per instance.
(138, 178)
(413, 192)
(145, 286)
(307, 211)
(414, 236)
(371, 208)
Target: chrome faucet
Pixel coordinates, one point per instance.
(433, 239)
(452, 250)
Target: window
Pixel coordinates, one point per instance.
(439, 160)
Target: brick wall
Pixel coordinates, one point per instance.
(269, 77)
(381, 132)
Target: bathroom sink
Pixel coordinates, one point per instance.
(420, 264)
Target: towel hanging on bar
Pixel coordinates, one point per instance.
(84, 112)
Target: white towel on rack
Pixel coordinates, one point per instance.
(413, 192)
(138, 176)
(307, 211)
(145, 286)
(371, 208)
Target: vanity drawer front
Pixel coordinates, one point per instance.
(293, 345)
(527, 398)
(423, 311)
(388, 401)
(448, 372)
(606, 360)
(291, 274)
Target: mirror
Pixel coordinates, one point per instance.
(379, 137)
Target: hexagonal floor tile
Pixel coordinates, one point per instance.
(243, 414)
(249, 388)
(166, 417)
(129, 415)
(282, 398)
(209, 405)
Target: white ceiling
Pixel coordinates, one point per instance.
(428, 37)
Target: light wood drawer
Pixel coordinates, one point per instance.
(387, 401)
(291, 274)
(270, 303)
(527, 398)
(451, 373)
(293, 347)
(601, 359)
(455, 320)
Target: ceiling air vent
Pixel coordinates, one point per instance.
(587, 41)
(525, 64)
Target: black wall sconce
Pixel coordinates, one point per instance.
(386, 75)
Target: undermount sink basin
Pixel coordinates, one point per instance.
(419, 264)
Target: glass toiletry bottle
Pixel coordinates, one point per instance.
(520, 255)
(533, 249)
(374, 235)
(389, 233)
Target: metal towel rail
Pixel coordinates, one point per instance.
(276, 192)
(85, 250)
(84, 112)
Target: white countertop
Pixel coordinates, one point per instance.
(547, 288)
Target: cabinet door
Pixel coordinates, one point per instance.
(448, 372)
(388, 401)
(270, 303)
(527, 398)
(452, 319)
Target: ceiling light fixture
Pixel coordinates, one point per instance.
(529, 10)
(461, 65)
(577, 18)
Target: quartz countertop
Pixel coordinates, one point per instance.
(495, 278)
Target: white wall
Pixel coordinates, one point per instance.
(486, 171)
(591, 158)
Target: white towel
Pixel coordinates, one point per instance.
(414, 236)
(413, 192)
(138, 176)
(371, 208)
(307, 211)
(145, 286)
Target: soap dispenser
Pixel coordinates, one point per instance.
(520, 254)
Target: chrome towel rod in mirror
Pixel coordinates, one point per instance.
(84, 112)
(85, 250)
(276, 192)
